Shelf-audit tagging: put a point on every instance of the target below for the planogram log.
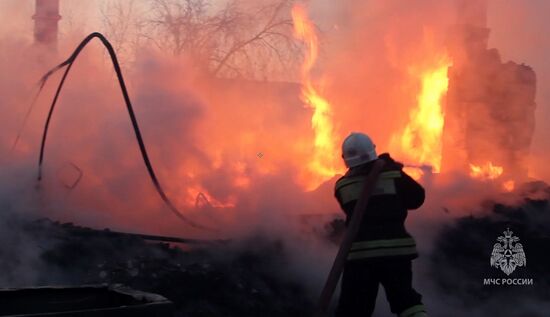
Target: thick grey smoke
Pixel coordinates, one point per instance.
(179, 116)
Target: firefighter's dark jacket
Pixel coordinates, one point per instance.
(382, 232)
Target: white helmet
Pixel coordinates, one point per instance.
(358, 149)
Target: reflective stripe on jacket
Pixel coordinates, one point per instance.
(349, 189)
(382, 231)
(383, 248)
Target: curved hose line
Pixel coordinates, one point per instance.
(69, 63)
(41, 83)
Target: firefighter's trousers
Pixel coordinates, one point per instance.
(360, 287)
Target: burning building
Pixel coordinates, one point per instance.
(241, 154)
(490, 109)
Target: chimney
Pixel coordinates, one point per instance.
(46, 19)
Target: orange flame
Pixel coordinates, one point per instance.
(420, 141)
(325, 163)
(488, 171)
(414, 172)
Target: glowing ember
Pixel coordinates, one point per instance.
(488, 171)
(325, 162)
(509, 185)
(414, 172)
(199, 197)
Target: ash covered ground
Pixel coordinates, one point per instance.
(253, 276)
(460, 260)
(466, 243)
(247, 278)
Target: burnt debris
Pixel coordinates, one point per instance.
(210, 279)
(461, 259)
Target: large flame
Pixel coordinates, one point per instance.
(420, 142)
(325, 163)
(229, 149)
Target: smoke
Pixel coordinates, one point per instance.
(369, 51)
(469, 241)
(94, 175)
(369, 48)
(241, 144)
(525, 45)
(225, 140)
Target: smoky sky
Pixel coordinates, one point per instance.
(203, 142)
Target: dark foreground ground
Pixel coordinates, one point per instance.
(251, 277)
(223, 279)
(460, 261)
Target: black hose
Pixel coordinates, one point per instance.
(69, 63)
(41, 85)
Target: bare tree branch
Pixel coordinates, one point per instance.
(234, 40)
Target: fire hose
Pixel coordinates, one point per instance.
(67, 64)
(349, 237)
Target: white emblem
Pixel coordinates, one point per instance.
(508, 255)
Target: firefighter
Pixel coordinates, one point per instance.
(383, 250)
